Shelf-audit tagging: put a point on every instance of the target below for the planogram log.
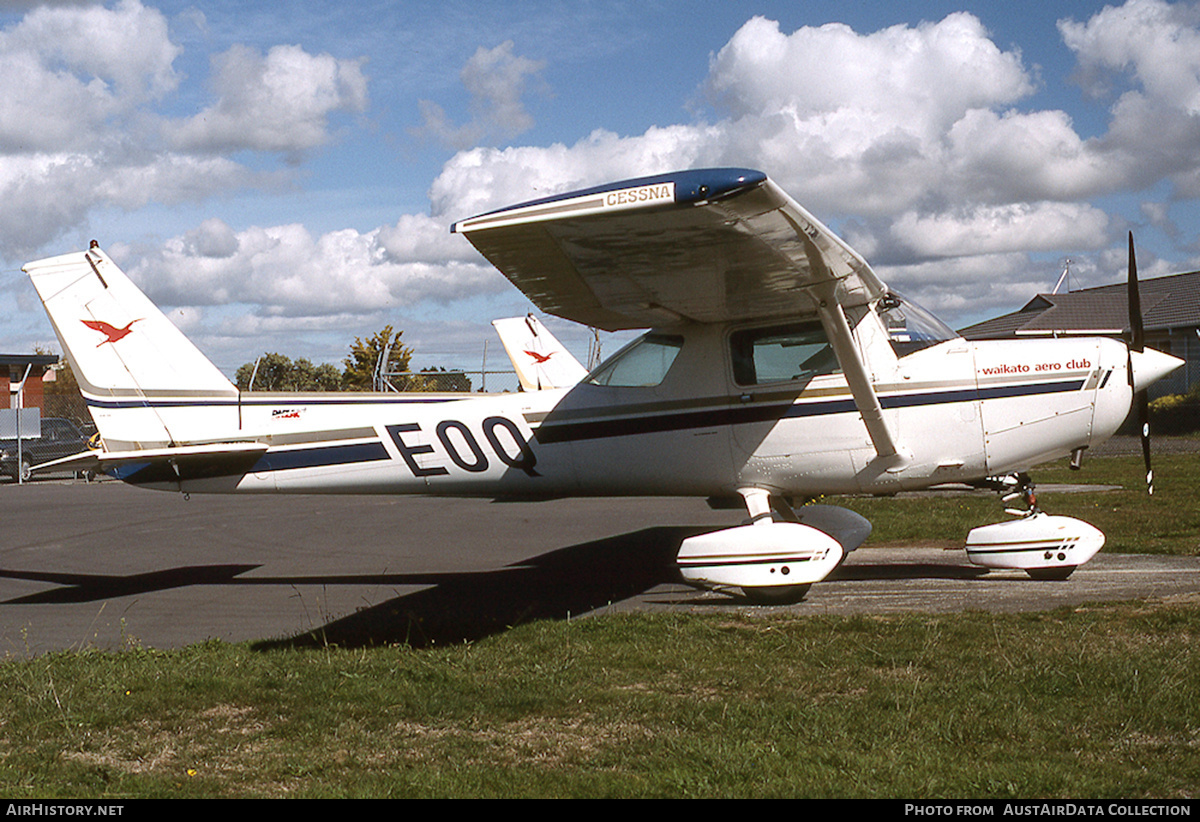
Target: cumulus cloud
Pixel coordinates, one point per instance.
(922, 144)
(278, 102)
(851, 123)
(482, 179)
(496, 80)
(960, 285)
(69, 71)
(44, 194)
(918, 139)
(81, 126)
(1157, 42)
(287, 271)
(1149, 52)
(997, 229)
(935, 73)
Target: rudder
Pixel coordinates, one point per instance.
(130, 361)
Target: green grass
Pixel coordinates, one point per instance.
(1133, 522)
(1090, 702)
(1100, 702)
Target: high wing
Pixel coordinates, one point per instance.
(711, 245)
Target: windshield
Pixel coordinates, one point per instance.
(910, 327)
(644, 362)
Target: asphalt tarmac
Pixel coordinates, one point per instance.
(105, 565)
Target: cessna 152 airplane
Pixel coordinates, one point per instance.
(778, 366)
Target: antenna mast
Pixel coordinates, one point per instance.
(1065, 276)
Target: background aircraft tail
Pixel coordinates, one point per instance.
(541, 361)
(132, 364)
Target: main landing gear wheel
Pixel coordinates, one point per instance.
(1051, 573)
(800, 548)
(776, 594)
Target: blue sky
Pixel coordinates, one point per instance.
(282, 176)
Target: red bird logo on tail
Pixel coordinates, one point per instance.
(540, 358)
(110, 331)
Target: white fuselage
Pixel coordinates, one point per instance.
(960, 410)
(712, 408)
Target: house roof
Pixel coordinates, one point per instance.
(1167, 302)
(27, 359)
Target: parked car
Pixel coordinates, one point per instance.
(60, 438)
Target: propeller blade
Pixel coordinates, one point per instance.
(1143, 401)
(1137, 342)
(1137, 330)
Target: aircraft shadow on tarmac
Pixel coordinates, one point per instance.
(469, 606)
(905, 570)
(466, 606)
(556, 585)
(458, 607)
(95, 587)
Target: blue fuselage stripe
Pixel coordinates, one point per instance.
(233, 465)
(641, 423)
(233, 402)
(325, 455)
(552, 432)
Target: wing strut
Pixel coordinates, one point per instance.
(837, 329)
(840, 337)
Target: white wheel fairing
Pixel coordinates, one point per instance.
(774, 555)
(1042, 542)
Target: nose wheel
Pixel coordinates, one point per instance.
(1044, 546)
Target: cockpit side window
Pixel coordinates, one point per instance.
(910, 327)
(644, 362)
(781, 353)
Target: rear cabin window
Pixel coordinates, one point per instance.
(781, 353)
(644, 362)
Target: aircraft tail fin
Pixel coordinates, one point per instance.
(541, 361)
(131, 362)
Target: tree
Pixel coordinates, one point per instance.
(61, 396)
(64, 381)
(323, 377)
(439, 379)
(361, 364)
(276, 372)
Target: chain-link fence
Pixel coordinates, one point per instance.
(29, 437)
(69, 407)
(464, 382)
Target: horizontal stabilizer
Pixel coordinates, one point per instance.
(104, 461)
